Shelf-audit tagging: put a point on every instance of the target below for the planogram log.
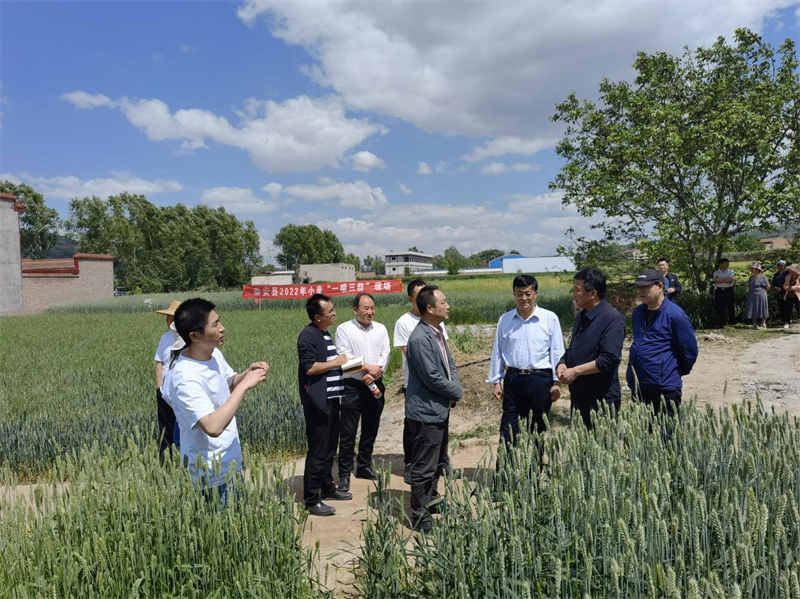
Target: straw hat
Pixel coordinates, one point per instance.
(171, 310)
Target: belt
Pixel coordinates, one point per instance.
(531, 371)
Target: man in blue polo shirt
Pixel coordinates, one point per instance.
(664, 346)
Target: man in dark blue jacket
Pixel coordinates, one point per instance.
(672, 286)
(664, 346)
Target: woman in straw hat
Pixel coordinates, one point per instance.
(166, 417)
(757, 308)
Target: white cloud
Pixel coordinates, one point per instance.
(498, 168)
(508, 145)
(157, 56)
(188, 147)
(187, 48)
(82, 99)
(300, 134)
(483, 69)
(238, 200)
(366, 161)
(73, 187)
(405, 190)
(273, 189)
(351, 195)
(10, 178)
(424, 169)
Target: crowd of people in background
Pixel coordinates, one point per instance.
(341, 383)
(785, 285)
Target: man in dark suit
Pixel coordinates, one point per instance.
(321, 389)
(433, 388)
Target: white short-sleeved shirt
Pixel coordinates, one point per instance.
(196, 389)
(402, 331)
(166, 341)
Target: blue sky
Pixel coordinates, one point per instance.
(391, 123)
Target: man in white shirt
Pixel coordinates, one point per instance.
(527, 347)
(206, 393)
(361, 337)
(402, 331)
(723, 293)
(166, 416)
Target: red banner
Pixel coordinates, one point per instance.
(259, 292)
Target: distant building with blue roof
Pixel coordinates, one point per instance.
(498, 262)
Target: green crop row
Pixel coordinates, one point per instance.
(703, 507)
(126, 526)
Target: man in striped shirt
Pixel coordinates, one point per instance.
(526, 351)
(321, 389)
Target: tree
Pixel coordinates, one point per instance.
(379, 265)
(352, 259)
(483, 258)
(454, 260)
(38, 225)
(701, 149)
(747, 243)
(413, 248)
(307, 244)
(172, 248)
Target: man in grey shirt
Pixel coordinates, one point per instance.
(433, 388)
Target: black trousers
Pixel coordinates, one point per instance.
(723, 303)
(408, 447)
(322, 433)
(358, 403)
(586, 405)
(525, 396)
(166, 423)
(786, 307)
(668, 400)
(429, 456)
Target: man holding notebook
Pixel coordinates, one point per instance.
(363, 399)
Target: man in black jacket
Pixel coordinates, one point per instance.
(321, 389)
(672, 286)
(590, 366)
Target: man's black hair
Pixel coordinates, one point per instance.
(192, 317)
(357, 298)
(721, 260)
(593, 280)
(426, 298)
(413, 285)
(662, 260)
(314, 305)
(525, 281)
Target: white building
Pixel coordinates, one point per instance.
(398, 262)
(544, 264)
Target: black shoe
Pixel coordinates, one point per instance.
(407, 475)
(320, 509)
(336, 495)
(437, 508)
(366, 473)
(344, 483)
(424, 525)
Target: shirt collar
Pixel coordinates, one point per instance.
(436, 330)
(534, 315)
(358, 324)
(597, 309)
